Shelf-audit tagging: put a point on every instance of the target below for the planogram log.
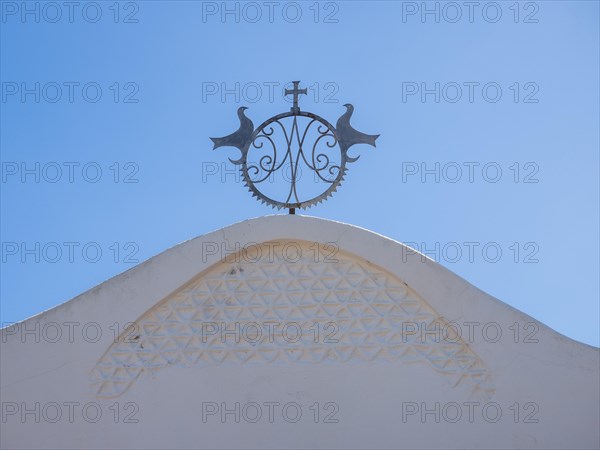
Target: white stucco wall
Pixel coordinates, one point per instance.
(366, 350)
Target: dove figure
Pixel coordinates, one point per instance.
(239, 138)
(348, 136)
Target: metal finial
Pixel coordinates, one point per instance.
(295, 92)
(294, 133)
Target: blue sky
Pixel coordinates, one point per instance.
(135, 89)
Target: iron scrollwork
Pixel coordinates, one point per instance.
(309, 141)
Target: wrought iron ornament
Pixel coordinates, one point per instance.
(327, 158)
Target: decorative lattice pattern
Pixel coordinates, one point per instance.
(328, 312)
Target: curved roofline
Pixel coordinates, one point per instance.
(451, 295)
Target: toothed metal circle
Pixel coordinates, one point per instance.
(326, 171)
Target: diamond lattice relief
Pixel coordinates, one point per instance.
(273, 310)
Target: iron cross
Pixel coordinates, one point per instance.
(295, 92)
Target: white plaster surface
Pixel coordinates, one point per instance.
(366, 350)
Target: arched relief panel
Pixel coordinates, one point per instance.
(308, 305)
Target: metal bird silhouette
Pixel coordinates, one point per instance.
(348, 136)
(239, 138)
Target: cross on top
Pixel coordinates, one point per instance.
(295, 92)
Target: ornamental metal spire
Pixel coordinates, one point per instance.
(260, 163)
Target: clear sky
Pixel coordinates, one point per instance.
(488, 157)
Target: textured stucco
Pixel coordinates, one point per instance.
(384, 369)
